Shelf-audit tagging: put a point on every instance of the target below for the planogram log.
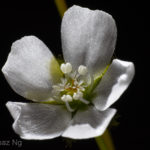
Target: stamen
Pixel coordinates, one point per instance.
(66, 68)
(84, 101)
(77, 95)
(72, 85)
(81, 82)
(82, 89)
(68, 107)
(82, 70)
(63, 81)
(66, 98)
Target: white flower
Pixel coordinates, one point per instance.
(88, 42)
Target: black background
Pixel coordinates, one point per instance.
(40, 18)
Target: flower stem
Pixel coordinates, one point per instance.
(61, 6)
(105, 142)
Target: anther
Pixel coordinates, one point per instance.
(82, 70)
(66, 98)
(66, 68)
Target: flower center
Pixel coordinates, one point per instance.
(72, 85)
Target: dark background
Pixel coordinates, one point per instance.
(20, 18)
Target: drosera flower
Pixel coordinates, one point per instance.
(72, 99)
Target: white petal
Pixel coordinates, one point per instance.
(89, 123)
(38, 121)
(114, 83)
(88, 38)
(27, 68)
